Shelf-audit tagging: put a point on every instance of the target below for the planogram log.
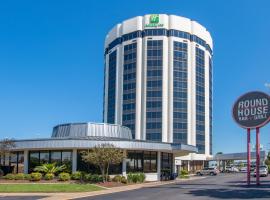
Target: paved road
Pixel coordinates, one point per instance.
(228, 186)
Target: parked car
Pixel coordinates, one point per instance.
(243, 169)
(208, 171)
(231, 169)
(263, 171)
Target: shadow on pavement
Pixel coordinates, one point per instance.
(231, 194)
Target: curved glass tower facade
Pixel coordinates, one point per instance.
(158, 80)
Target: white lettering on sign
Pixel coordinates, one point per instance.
(253, 109)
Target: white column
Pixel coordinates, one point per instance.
(74, 160)
(170, 90)
(139, 87)
(158, 165)
(26, 161)
(174, 169)
(207, 103)
(188, 165)
(165, 91)
(124, 165)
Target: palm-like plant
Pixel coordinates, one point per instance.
(50, 168)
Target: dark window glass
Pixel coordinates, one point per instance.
(33, 160)
(67, 160)
(154, 87)
(56, 157)
(200, 100)
(180, 60)
(129, 86)
(111, 87)
(134, 161)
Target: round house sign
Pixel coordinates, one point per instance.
(252, 110)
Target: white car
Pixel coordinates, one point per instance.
(263, 171)
(231, 169)
(243, 169)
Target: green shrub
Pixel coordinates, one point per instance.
(124, 180)
(36, 176)
(117, 178)
(9, 176)
(136, 177)
(49, 176)
(64, 176)
(94, 178)
(183, 172)
(19, 176)
(27, 177)
(77, 175)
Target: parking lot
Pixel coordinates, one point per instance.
(222, 186)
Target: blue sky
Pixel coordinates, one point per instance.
(51, 60)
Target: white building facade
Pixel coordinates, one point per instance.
(158, 82)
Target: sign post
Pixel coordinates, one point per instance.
(248, 156)
(252, 111)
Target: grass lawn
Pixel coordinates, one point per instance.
(35, 187)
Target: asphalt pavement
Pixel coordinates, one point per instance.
(222, 186)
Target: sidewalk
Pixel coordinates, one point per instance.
(62, 196)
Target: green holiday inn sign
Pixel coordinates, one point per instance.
(154, 22)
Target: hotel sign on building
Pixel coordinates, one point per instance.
(252, 110)
(154, 22)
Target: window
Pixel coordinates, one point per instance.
(180, 60)
(129, 86)
(200, 100)
(154, 87)
(150, 161)
(111, 87)
(141, 161)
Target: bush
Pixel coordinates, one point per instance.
(10, 177)
(19, 176)
(136, 177)
(27, 177)
(64, 176)
(184, 173)
(124, 180)
(94, 178)
(77, 175)
(117, 178)
(36, 176)
(49, 176)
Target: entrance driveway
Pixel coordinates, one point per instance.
(223, 186)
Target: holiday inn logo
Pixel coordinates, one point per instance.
(154, 22)
(154, 19)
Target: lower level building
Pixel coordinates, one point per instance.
(69, 140)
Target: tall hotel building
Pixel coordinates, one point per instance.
(158, 82)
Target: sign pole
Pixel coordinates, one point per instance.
(258, 156)
(248, 156)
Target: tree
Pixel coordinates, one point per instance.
(5, 146)
(219, 153)
(50, 168)
(103, 156)
(267, 161)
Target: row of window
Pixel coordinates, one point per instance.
(158, 32)
(129, 86)
(111, 87)
(200, 99)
